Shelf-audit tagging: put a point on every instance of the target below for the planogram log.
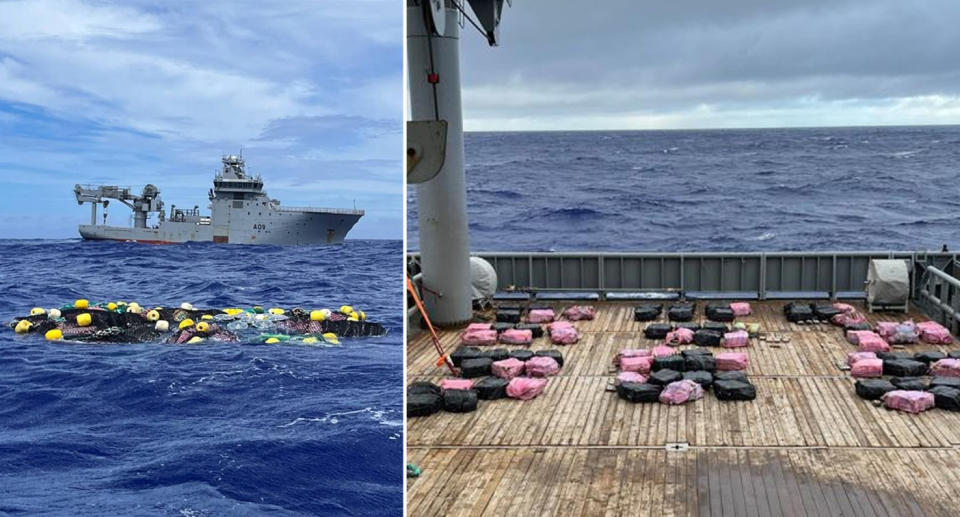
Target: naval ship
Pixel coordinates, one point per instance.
(241, 213)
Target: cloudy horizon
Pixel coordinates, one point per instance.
(701, 65)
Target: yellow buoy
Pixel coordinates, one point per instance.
(271, 341)
(84, 319)
(194, 340)
(203, 326)
(332, 338)
(134, 308)
(346, 309)
(53, 313)
(81, 304)
(363, 316)
(53, 335)
(310, 340)
(206, 317)
(233, 311)
(186, 323)
(277, 311)
(317, 316)
(111, 306)
(153, 316)
(162, 326)
(36, 311)
(186, 306)
(23, 326)
(353, 317)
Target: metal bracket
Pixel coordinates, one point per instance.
(677, 447)
(426, 149)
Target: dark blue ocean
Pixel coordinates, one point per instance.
(863, 188)
(224, 429)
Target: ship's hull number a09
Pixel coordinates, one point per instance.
(259, 227)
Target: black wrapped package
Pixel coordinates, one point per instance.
(657, 330)
(857, 326)
(716, 326)
(535, 328)
(521, 354)
(664, 377)
(465, 352)
(687, 325)
(699, 362)
(491, 388)
(825, 312)
(704, 337)
(478, 367)
(668, 362)
(554, 353)
(647, 312)
(459, 401)
(703, 378)
(720, 313)
(680, 312)
(954, 354)
(423, 404)
(904, 368)
(945, 397)
(639, 392)
(497, 354)
(929, 357)
(797, 312)
(421, 387)
(873, 389)
(950, 382)
(910, 383)
(734, 390)
(500, 326)
(730, 376)
(508, 316)
(695, 351)
(890, 356)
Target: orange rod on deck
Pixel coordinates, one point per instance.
(444, 358)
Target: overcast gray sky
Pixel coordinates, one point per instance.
(705, 63)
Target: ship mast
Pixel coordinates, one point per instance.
(435, 149)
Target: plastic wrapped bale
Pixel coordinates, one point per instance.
(540, 366)
(716, 326)
(731, 361)
(465, 352)
(459, 401)
(734, 390)
(704, 337)
(699, 362)
(873, 389)
(623, 377)
(664, 377)
(945, 397)
(885, 329)
(647, 312)
(631, 352)
(910, 383)
(670, 362)
(681, 392)
(866, 368)
(954, 354)
(525, 388)
(825, 312)
(508, 368)
(508, 315)
(950, 382)
(522, 355)
(934, 333)
(657, 330)
(423, 404)
(639, 364)
(456, 384)
(797, 312)
(695, 351)
(639, 392)
(663, 351)
(720, 313)
(420, 387)
(491, 388)
(848, 318)
(946, 368)
(564, 336)
(740, 309)
(843, 307)
(541, 316)
(516, 337)
(863, 325)
(909, 401)
(701, 377)
(905, 333)
(496, 354)
(479, 367)
(554, 354)
(872, 343)
(535, 329)
(693, 327)
(853, 357)
(853, 336)
(679, 336)
(474, 327)
(479, 338)
(890, 356)
(732, 375)
(680, 312)
(580, 312)
(501, 326)
(928, 357)
(736, 339)
(904, 368)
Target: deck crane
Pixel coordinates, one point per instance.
(148, 201)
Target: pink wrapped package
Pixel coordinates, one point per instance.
(886, 329)
(867, 368)
(473, 327)
(934, 333)
(845, 307)
(681, 391)
(479, 337)
(564, 336)
(663, 351)
(508, 368)
(946, 368)
(580, 312)
(558, 324)
(848, 318)
(729, 361)
(735, 339)
(623, 377)
(516, 337)
(853, 357)
(679, 336)
(853, 336)
(631, 352)
(539, 366)
(909, 401)
(540, 316)
(636, 364)
(872, 343)
(456, 384)
(525, 388)
(740, 308)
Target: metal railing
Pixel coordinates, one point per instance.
(318, 210)
(939, 293)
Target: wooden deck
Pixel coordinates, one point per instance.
(806, 446)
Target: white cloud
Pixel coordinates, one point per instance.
(70, 19)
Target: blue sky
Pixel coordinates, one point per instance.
(131, 93)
